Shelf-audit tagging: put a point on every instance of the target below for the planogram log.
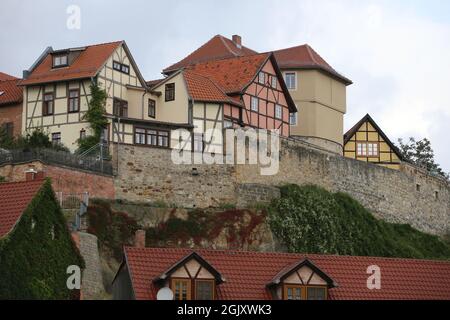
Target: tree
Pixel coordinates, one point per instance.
(421, 153)
(96, 118)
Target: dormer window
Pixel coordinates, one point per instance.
(60, 60)
(301, 281)
(191, 278)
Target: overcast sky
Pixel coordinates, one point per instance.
(396, 52)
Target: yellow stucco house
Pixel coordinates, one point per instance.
(365, 141)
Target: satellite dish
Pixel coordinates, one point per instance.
(164, 294)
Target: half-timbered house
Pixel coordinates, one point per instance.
(366, 141)
(57, 94)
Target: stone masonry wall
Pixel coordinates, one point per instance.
(64, 179)
(148, 174)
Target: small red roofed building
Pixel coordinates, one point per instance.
(11, 96)
(240, 275)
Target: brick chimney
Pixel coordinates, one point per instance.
(237, 40)
(32, 174)
(139, 239)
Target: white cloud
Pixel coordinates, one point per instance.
(398, 61)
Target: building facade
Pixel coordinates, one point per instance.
(318, 91)
(365, 141)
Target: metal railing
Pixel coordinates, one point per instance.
(84, 162)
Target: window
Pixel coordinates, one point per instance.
(293, 293)
(151, 137)
(361, 149)
(139, 136)
(48, 104)
(296, 292)
(262, 77)
(204, 289)
(163, 139)
(290, 80)
(74, 100)
(120, 108)
(278, 111)
(181, 289)
(293, 118)
(199, 145)
(8, 128)
(170, 91)
(372, 149)
(121, 67)
(316, 293)
(60, 60)
(56, 138)
(274, 82)
(125, 69)
(254, 104)
(367, 149)
(151, 108)
(116, 65)
(417, 187)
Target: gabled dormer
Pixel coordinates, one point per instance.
(191, 278)
(301, 281)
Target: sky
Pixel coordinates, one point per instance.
(396, 52)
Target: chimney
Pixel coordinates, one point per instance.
(237, 40)
(139, 239)
(32, 174)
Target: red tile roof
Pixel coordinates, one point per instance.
(218, 47)
(4, 76)
(14, 199)
(86, 65)
(10, 92)
(201, 88)
(305, 57)
(232, 74)
(248, 273)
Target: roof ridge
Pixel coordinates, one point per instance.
(91, 45)
(227, 58)
(305, 255)
(222, 38)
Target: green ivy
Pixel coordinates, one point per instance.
(32, 264)
(95, 115)
(311, 219)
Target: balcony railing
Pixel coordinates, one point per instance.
(84, 162)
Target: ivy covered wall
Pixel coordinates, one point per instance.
(34, 257)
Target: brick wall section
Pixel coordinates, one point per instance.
(148, 174)
(12, 113)
(66, 180)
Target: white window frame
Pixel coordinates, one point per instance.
(278, 112)
(263, 76)
(252, 107)
(295, 115)
(295, 80)
(274, 82)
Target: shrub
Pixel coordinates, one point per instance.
(313, 220)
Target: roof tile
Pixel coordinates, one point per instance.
(248, 273)
(14, 199)
(86, 65)
(10, 92)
